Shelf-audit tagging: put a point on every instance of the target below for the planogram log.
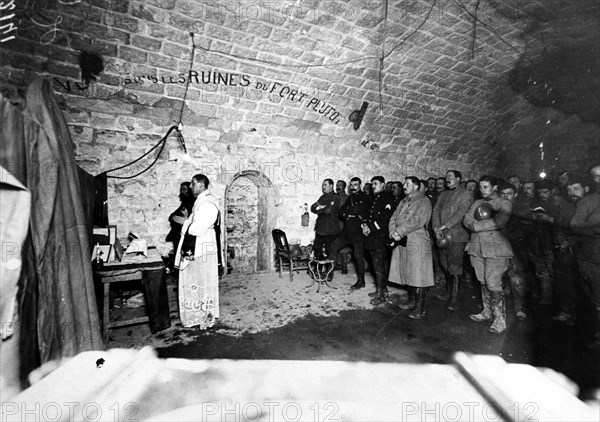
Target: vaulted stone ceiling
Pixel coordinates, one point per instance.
(460, 79)
(273, 84)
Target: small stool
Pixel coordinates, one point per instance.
(320, 269)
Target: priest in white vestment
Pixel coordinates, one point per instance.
(198, 260)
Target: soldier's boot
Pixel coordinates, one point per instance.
(410, 303)
(419, 309)
(379, 299)
(344, 263)
(360, 283)
(375, 293)
(380, 282)
(519, 293)
(386, 293)
(486, 314)
(454, 304)
(444, 294)
(499, 313)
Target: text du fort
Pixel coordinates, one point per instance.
(241, 80)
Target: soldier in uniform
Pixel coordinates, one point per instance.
(448, 213)
(353, 212)
(528, 189)
(515, 181)
(375, 229)
(567, 278)
(490, 253)
(517, 230)
(412, 264)
(432, 193)
(340, 190)
(586, 224)
(368, 189)
(541, 250)
(327, 226)
(397, 192)
(563, 180)
(440, 185)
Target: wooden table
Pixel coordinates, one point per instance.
(150, 271)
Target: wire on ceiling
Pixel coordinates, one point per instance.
(304, 65)
(474, 38)
(163, 141)
(490, 29)
(381, 61)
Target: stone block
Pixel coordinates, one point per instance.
(159, 116)
(146, 87)
(193, 9)
(369, 20)
(183, 23)
(149, 13)
(244, 52)
(163, 4)
(121, 21)
(145, 43)
(132, 54)
(162, 61)
(219, 32)
(176, 51)
(112, 6)
(259, 29)
(280, 36)
(63, 70)
(106, 33)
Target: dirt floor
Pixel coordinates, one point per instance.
(251, 304)
(267, 317)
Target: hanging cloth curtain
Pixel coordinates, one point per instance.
(67, 322)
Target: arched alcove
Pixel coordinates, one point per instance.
(250, 201)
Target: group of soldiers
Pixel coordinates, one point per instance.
(539, 240)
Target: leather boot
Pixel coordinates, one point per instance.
(344, 264)
(375, 293)
(444, 287)
(378, 300)
(499, 312)
(380, 282)
(360, 283)
(419, 309)
(386, 293)
(410, 304)
(454, 304)
(486, 314)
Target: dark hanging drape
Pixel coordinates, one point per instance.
(37, 148)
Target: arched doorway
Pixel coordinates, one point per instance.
(250, 201)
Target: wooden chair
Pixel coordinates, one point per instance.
(283, 253)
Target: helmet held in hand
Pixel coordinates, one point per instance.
(484, 211)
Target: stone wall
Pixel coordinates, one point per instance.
(259, 97)
(545, 139)
(242, 224)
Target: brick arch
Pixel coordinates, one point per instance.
(267, 216)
